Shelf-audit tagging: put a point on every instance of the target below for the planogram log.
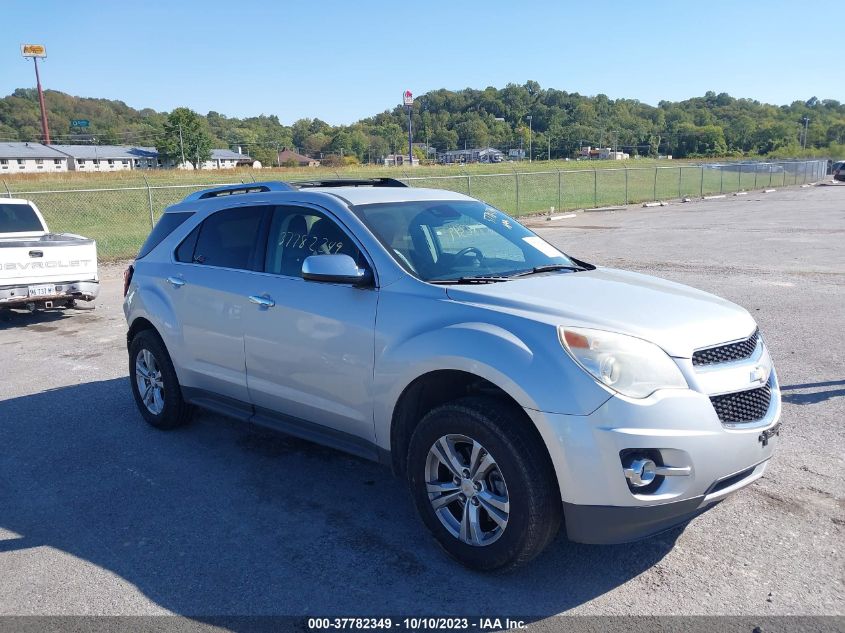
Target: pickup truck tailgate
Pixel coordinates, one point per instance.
(46, 259)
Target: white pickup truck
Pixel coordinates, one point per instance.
(39, 269)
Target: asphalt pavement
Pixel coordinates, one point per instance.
(101, 514)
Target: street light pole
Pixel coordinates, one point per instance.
(530, 137)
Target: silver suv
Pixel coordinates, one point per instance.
(514, 387)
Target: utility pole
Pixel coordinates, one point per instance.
(530, 137)
(803, 143)
(181, 146)
(549, 155)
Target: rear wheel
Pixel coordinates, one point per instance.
(483, 484)
(154, 383)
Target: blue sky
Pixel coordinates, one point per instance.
(341, 61)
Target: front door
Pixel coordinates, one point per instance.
(309, 355)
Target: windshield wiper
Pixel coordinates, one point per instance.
(550, 268)
(469, 280)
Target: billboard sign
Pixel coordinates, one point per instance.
(33, 50)
(79, 122)
(408, 98)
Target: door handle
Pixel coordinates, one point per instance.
(176, 282)
(264, 302)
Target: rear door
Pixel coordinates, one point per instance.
(309, 355)
(214, 264)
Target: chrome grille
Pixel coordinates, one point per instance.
(726, 353)
(743, 406)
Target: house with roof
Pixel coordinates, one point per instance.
(287, 157)
(100, 158)
(220, 159)
(30, 158)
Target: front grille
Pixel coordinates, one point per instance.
(727, 353)
(743, 406)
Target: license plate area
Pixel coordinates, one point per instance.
(42, 290)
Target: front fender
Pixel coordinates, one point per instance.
(530, 367)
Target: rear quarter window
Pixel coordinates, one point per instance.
(168, 223)
(18, 218)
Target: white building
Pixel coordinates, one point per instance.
(399, 160)
(475, 155)
(30, 158)
(100, 158)
(602, 153)
(222, 159)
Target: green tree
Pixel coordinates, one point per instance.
(185, 134)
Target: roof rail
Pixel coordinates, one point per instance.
(349, 182)
(230, 190)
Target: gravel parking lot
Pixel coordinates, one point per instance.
(101, 514)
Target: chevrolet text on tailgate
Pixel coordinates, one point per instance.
(39, 269)
(516, 388)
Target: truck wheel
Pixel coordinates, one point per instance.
(154, 383)
(483, 484)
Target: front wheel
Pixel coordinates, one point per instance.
(154, 383)
(483, 484)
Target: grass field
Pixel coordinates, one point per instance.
(117, 209)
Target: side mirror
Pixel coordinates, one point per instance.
(338, 269)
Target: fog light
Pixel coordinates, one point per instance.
(641, 472)
(645, 471)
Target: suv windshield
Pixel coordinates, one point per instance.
(18, 218)
(451, 240)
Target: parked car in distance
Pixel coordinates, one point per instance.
(40, 269)
(514, 387)
(837, 169)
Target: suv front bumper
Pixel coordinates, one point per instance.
(682, 426)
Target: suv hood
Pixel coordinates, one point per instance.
(676, 317)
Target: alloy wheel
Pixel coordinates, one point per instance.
(467, 490)
(149, 381)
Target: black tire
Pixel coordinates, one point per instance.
(176, 411)
(535, 509)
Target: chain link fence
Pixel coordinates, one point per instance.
(120, 218)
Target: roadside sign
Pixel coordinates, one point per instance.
(408, 98)
(33, 50)
(79, 122)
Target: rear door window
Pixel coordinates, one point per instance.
(168, 223)
(18, 218)
(231, 239)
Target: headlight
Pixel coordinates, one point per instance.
(626, 364)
